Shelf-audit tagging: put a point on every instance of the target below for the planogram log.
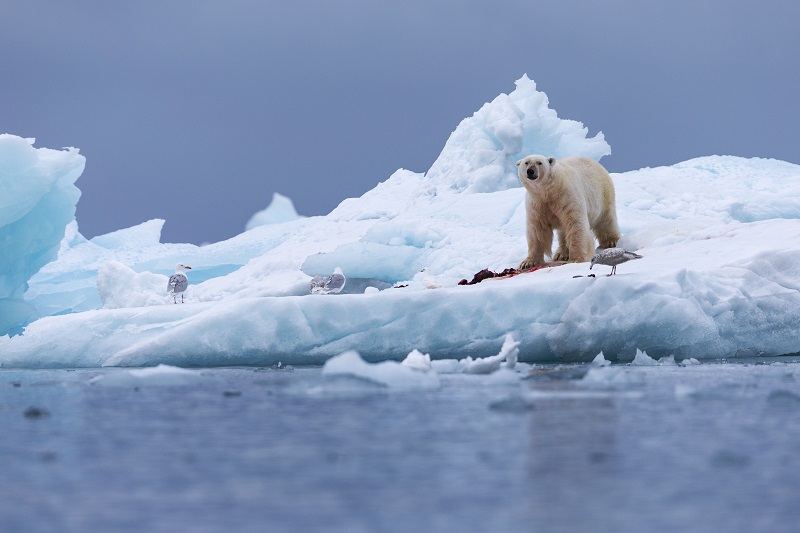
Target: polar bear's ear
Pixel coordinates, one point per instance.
(552, 161)
(518, 162)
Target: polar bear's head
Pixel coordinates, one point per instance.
(534, 168)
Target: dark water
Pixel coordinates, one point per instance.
(701, 448)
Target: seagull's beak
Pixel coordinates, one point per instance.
(187, 267)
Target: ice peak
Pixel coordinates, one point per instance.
(481, 153)
(280, 209)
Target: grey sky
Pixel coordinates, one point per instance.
(232, 100)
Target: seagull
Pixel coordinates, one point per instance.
(178, 282)
(613, 257)
(428, 281)
(328, 285)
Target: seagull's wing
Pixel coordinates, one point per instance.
(177, 283)
(615, 253)
(335, 282)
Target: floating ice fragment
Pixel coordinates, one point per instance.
(505, 359)
(487, 365)
(448, 366)
(482, 365)
(600, 360)
(161, 375)
(667, 361)
(642, 359)
(418, 361)
(510, 350)
(389, 373)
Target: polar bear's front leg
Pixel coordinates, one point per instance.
(580, 242)
(540, 240)
(562, 252)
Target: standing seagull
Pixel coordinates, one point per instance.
(613, 257)
(328, 285)
(178, 282)
(428, 281)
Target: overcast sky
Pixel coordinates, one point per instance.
(196, 111)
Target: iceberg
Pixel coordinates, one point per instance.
(719, 278)
(37, 200)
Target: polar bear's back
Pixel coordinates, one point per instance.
(593, 179)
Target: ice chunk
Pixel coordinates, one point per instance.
(161, 375)
(119, 286)
(642, 359)
(510, 350)
(505, 359)
(600, 360)
(389, 373)
(418, 361)
(448, 366)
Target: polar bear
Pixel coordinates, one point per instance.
(574, 196)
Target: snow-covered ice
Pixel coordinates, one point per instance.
(720, 276)
(280, 209)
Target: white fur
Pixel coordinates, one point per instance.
(573, 196)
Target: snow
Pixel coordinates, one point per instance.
(120, 286)
(481, 154)
(719, 278)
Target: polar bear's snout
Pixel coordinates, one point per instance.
(531, 173)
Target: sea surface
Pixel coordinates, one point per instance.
(709, 447)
